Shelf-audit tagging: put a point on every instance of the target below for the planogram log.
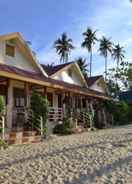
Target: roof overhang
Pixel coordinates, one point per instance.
(53, 84)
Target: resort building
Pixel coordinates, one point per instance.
(64, 85)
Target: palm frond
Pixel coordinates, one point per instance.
(63, 46)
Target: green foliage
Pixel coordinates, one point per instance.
(105, 48)
(129, 72)
(39, 107)
(3, 144)
(88, 42)
(83, 65)
(118, 54)
(121, 113)
(45, 130)
(63, 46)
(118, 79)
(2, 105)
(63, 129)
(120, 110)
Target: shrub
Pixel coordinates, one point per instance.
(63, 129)
(120, 110)
(58, 129)
(3, 144)
(2, 105)
(39, 107)
(121, 113)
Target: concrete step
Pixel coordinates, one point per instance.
(24, 140)
(22, 137)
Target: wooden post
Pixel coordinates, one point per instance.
(92, 115)
(87, 105)
(104, 115)
(3, 127)
(81, 106)
(27, 91)
(10, 104)
(45, 91)
(64, 104)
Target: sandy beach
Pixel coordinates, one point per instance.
(102, 157)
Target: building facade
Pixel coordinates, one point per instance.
(63, 85)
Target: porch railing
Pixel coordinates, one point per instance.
(55, 114)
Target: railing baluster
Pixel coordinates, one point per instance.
(55, 114)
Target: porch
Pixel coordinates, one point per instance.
(61, 102)
(17, 101)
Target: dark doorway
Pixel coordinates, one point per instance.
(59, 100)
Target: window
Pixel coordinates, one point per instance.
(70, 73)
(10, 50)
(19, 97)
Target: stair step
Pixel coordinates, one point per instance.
(29, 133)
(22, 137)
(24, 140)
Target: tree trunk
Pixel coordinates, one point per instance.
(117, 67)
(91, 63)
(105, 68)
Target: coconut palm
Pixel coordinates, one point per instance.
(88, 43)
(83, 65)
(63, 46)
(105, 48)
(118, 54)
(50, 65)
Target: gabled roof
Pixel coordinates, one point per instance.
(20, 42)
(40, 79)
(92, 80)
(54, 70)
(50, 70)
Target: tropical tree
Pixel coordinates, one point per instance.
(88, 43)
(105, 48)
(50, 65)
(83, 65)
(118, 54)
(63, 46)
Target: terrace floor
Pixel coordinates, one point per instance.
(101, 157)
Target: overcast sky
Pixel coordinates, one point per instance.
(42, 21)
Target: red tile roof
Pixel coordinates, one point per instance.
(50, 70)
(60, 84)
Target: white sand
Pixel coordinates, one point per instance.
(102, 157)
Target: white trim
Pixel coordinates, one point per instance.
(68, 66)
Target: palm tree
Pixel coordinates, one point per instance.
(83, 65)
(118, 54)
(88, 43)
(63, 46)
(105, 48)
(50, 65)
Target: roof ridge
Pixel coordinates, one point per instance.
(95, 76)
(64, 64)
